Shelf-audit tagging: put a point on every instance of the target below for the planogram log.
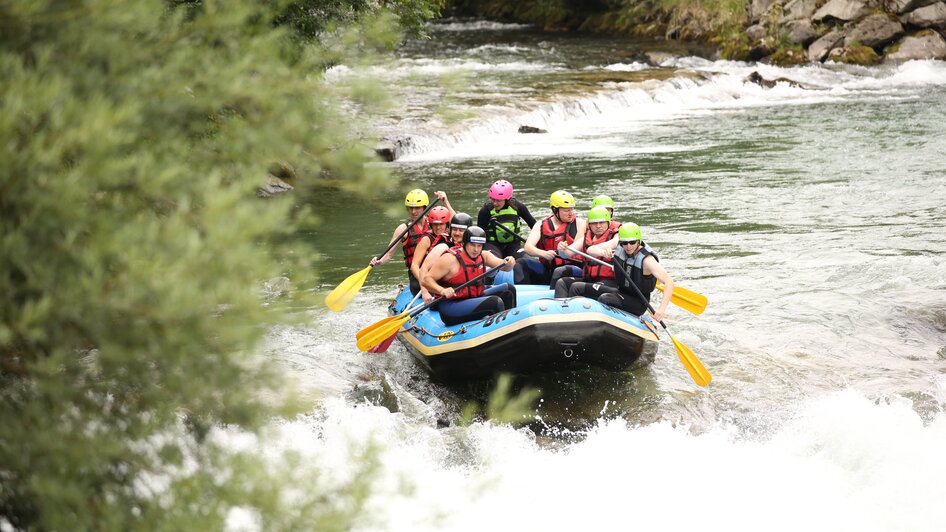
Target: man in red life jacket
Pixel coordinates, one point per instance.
(459, 265)
(595, 277)
(458, 225)
(415, 201)
(562, 226)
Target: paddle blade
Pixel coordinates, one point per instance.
(380, 333)
(383, 346)
(346, 290)
(692, 364)
(689, 300)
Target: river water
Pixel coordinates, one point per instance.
(812, 218)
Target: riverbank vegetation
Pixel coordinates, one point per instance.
(134, 255)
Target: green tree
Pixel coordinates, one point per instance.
(133, 137)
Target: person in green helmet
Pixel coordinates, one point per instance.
(608, 203)
(594, 277)
(634, 263)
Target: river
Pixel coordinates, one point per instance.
(811, 216)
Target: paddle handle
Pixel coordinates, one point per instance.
(408, 227)
(426, 306)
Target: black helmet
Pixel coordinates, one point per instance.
(474, 234)
(461, 220)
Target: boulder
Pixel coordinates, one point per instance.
(926, 44)
(819, 49)
(875, 31)
(756, 32)
(758, 9)
(798, 10)
(800, 32)
(531, 129)
(931, 16)
(902, 6)
(854, 55)
(844, 10)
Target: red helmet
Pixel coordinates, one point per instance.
(439, 215)
(500, 190)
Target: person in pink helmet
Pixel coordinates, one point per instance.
(506, 210)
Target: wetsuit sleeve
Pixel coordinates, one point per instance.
(525, 214)
(482, 219)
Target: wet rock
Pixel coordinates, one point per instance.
(391, 149)
(658, 58)
(273, 186)
(875, 31)
(926, 44)
(757, 78)
(531, 129)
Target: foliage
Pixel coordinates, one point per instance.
(504, 405)
(311, 18)
(133, 136)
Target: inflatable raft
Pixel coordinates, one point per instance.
(541, 334)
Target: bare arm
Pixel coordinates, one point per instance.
(604, 249)
(446, 203)
(652, 267)
(420, 252)
(446, 266)
(375, 261)
(493, 261)
(532, 242)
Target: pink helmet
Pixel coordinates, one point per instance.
(500, 190)
(439, 215)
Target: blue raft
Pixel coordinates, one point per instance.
(541, 334)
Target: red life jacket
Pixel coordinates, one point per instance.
(592, 270)
(615, 226)
(410, 240)
(469, 268)
(551, 236)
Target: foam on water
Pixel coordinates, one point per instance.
(840, 462)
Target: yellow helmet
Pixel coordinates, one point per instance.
(561, 199)
(416, 198)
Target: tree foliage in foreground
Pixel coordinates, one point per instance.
(133, 136)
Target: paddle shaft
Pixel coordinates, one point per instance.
(425, 306)
(636, 289)
(408, 228)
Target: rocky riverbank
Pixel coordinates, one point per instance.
(783, 32)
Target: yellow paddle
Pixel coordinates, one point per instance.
(342, 295)
(381, 330)
(684, 298)
(692, 364)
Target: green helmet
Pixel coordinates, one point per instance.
(599, 214)
(603, 201)
(629, 231)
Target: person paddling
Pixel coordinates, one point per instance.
(561, 226)
(634, 262)
(459, 265)
(594, 277)
(503, 208)
(415, 202)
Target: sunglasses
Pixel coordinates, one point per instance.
(626, 242)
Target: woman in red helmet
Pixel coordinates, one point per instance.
(503, 209)
(415, 202)
(439, 221)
